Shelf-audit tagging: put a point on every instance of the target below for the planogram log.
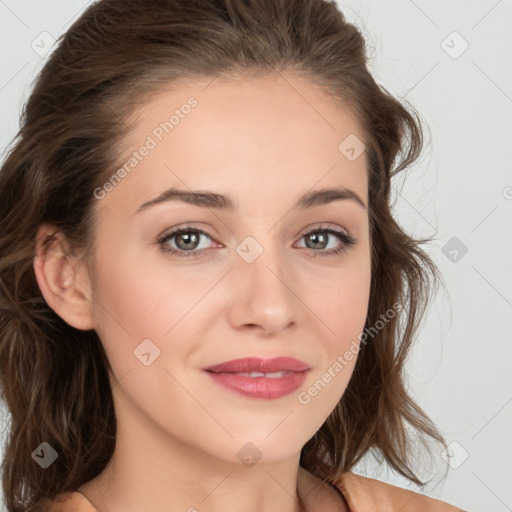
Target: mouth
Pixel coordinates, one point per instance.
(257, 377)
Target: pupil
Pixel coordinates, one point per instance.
(191, 237)
(316, 237)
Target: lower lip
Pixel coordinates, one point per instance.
(261, 387)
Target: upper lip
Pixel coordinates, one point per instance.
(257, 364)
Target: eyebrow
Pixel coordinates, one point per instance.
(206, 199)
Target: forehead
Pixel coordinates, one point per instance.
(279, 131)
(263, 103)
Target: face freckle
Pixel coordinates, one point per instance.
(255, 287)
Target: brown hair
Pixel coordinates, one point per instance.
(54, 378)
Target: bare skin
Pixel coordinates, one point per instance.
(264, 142)
(317, 496)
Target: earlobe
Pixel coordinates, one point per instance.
(62, 278)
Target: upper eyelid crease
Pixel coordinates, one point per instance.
(207, 199)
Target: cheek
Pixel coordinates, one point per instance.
(137, 293)
(340, 301)
(132, 304)
(341, 310)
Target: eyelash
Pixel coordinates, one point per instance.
(348, 241)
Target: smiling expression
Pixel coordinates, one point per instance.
(274, 260)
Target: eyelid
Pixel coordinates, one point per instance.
(171, 233)
(347, 240)
(324, 226)
(308, 229)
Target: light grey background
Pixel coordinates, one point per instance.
(461, 188)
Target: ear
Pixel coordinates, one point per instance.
(62, 278)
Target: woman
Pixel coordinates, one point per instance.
(256, 366)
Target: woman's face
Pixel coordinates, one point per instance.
(245, 280)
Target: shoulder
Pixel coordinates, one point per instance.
(72, 501)
(365, 494)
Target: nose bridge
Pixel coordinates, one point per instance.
(264, 260)
(263, 276)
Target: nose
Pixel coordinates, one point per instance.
(264, 294)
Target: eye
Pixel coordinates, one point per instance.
(188, 240)
(320, 236)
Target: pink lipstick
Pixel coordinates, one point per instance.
(260, 378)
